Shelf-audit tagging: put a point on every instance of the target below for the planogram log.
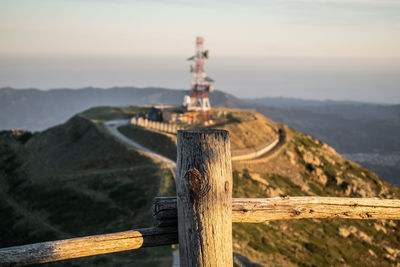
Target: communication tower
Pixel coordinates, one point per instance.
(198, 101)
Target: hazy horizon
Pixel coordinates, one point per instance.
(362, 80)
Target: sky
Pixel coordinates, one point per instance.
(301, 28)
(336, 36)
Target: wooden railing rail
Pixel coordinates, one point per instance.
(87, 246)
(244, 210)
(258, 210)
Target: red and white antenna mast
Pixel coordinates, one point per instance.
(201, 84)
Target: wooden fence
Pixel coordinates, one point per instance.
(200, 217)
(156, 125)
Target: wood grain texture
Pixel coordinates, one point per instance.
(204, 198)
(257, 210)
(87, 246)
(286, 208)
(165, 212)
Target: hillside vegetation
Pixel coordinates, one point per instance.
(305, 166)
(364, 132)
(75, 179)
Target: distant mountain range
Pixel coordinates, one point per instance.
(37, 110)
(360, 131)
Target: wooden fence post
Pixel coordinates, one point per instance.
(204, 198)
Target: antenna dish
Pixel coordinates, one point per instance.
(206, 54)
(208, 79)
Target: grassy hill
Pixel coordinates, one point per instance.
(74, 180)
(302, 166)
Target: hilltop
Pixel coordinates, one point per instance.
(36, 110)
(75, 179)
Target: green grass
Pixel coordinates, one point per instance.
(222, 116)
(283, 182)
(244, 186)
(157, 142)
(317, 189)
(111, 113)
(75, 194)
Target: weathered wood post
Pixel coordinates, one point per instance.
(204, 198)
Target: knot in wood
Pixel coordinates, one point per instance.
(198, 186)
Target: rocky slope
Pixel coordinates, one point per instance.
(305, 166)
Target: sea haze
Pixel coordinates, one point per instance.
(366, 80)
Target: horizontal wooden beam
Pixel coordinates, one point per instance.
(249, 210)
(87, 246)
(286, 208)
(257, 210)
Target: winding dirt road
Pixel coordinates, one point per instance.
(112, 128)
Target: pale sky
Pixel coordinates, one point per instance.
(299, 28)
(317, 49)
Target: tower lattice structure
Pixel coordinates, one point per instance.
(198, 101)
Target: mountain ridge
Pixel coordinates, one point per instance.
(35, 109)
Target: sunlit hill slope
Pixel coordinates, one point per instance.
(75, 179)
